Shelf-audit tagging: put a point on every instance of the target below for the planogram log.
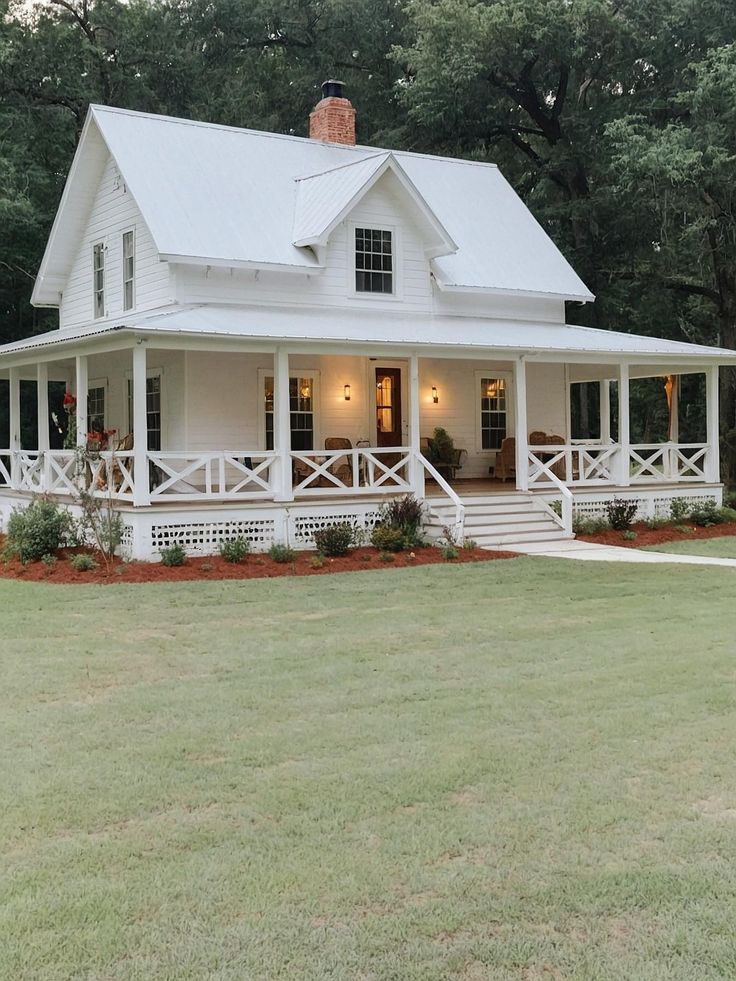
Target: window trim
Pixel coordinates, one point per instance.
(397, 265)
(128, 231)
(508, 378)
(102, 246)
(314, 374)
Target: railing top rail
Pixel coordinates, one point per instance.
(440, 481)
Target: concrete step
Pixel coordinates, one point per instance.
(519, 537)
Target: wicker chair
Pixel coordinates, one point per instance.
(341, 466)
(505, 465)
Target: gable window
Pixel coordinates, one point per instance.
(301, 404)
(98, 278)
(493, 413)
(128, 270)
(374, 261)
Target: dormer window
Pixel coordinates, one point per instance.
(128, 270)
(374, 261)
(98, 278)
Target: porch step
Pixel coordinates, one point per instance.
(499, 520)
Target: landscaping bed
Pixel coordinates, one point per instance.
(255, 566)
(658, 536)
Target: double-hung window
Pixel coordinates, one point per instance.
(374, 260)
(153, 410)
(493, 413)
(96, 409)
(98, 278)
(301, 405)
(128, 270)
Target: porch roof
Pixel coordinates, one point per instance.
(390, 330)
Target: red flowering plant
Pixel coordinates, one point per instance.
(70, 408)
(99, 439)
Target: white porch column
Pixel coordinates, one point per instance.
(14, 426)
(713, 463)
(141, 489)
(416, 470)
(283, 486)
(42, 412)
(624, 433)
(522, 435)
(81, 394)
(605, 410)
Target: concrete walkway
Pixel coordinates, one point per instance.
(589, 551)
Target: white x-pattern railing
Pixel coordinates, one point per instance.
(216, 474)
(574, 463)
(362, 470)
(652, 462)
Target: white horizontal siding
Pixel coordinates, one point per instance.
(114, 211)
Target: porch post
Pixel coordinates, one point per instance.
(81, 393)
(282, 485)
(42, 411)
(141, 488)
(624, 433)
(522, 437)
(605, 411)
(416, 470)
(713, 464)
(14, 426)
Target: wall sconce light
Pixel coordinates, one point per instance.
(435, 396)
(346, 393)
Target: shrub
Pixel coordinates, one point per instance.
(629, 535)
(449, 553)
(82, 562)
(234, 549)
(334, 539)
(405, 513)
(317, 561)
(470, 543)
(49, 561)
(101, 524)
(40, 529)
(679, 508)
(682, 529)
(441, 447)
(728, 514)
(173, 555)
(708, 513)
(656, 523)
(387, 556)
(387, 539)
(281, 553)
(621, 513)
(589, 526)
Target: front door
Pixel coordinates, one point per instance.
(388, 406)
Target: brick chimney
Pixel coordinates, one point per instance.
(333, 118)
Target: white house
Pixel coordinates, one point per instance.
(229, 300)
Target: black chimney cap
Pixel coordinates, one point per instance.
(332, 88)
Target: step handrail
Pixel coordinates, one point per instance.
(566, 517)
(459, 529)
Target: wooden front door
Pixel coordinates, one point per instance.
(388, 406)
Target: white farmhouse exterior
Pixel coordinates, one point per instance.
(230, 300)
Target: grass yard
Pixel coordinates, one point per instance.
(515, 770)
(722, 548)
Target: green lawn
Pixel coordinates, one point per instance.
(516, 770)
(723, 548)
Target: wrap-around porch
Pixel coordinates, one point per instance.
(202, 427)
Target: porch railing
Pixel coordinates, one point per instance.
(603, 463)
(221, 474)
(362, 470)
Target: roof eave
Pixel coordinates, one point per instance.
(223, 262)
(483, 290)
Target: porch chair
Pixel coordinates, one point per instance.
(342, 466)
(505, 465)
(124, 445)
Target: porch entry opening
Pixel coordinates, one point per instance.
(153, 410)
(301, 405)
(388, 407)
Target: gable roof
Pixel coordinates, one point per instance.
(218, 195)
(323, 200)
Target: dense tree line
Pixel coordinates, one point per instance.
(614, 119)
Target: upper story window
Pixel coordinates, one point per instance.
(128, 270)
(98, 278)
(374, 261)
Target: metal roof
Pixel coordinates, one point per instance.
(225, 195)
(328, 327)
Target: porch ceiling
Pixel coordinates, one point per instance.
(384, 330)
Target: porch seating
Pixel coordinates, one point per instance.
(505, 465)
(342, 467)
(539, 438)
(447, 468)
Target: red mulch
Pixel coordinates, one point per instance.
(253, 567)
(658, 536)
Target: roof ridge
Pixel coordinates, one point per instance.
(182, 121)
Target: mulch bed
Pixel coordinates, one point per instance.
(253, 567)
(659, 536)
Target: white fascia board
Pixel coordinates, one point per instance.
(484, 290)
(220, 263)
